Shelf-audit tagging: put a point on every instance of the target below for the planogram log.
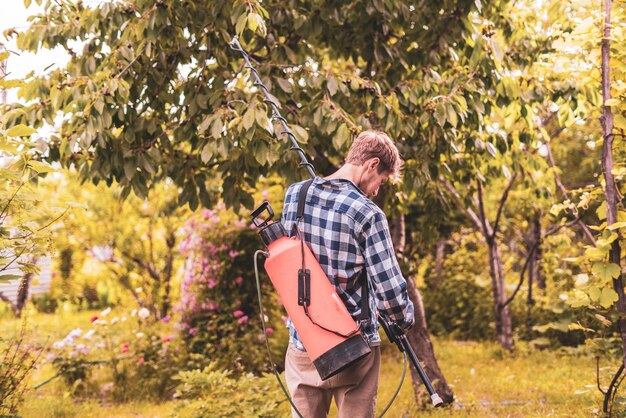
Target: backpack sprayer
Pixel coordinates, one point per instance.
(306, 292)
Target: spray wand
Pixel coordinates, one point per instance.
(393, 331)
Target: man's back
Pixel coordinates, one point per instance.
(347, 232)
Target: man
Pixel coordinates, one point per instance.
(347, 232)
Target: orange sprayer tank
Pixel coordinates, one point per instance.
(329, 352)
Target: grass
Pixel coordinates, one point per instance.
(487, 381)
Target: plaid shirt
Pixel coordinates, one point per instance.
(347, 232)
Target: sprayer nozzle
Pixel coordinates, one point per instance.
(436, 399)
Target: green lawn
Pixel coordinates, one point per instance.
(487, 382)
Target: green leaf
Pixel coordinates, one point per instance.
(248, 117)
(241, 24)
(9, 174)
(331, 85)
(216, 128)
(594, 293)
(285, 85)
(207, 152)
(606, 271)
(440, 114)
(9, 84)
(451, 115)
(263, 121)
(617, 225)
(99, 105)
(20, 130)
(253, 23)
(40, 167)
(9, 277)
(261, 152)
(608, 297)
(601, 211)
(619, 121)
(204, 125)
(301, 134)
(341, 136)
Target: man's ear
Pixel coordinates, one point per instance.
(374, 163)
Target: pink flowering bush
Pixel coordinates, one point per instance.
(218, 307)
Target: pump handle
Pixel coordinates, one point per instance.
(264, 206)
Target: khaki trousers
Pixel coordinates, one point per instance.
(354, 388)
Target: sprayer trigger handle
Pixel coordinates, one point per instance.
(258, 211)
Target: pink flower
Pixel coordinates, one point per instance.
(193, 331)
(207, 213)
(94, 318)
(242, 320)
(269, 331)
(141, 361)
(238, 314)
(167, 338)
(233, 253)
(166, 319)
(125, 347)
(238, 280)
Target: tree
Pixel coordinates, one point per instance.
(156, 93)
(135, 239)
(25, 218)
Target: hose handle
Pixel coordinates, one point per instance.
(393, 331)
(258, 211)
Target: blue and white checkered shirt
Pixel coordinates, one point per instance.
(347, 232)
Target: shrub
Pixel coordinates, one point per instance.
(45, 303)
(17, 359)
(219, 310)
(216, 393)
(139, 358)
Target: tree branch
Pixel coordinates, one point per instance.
(490, 235)
(456, 195)
(531, 253)
(503, 200)
(564, 192)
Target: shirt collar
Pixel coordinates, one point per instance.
(338, 183)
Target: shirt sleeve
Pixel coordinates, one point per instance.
(383, 271)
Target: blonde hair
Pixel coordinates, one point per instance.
(370, 144)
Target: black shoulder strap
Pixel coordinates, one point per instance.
(365, 296)
(304, 190)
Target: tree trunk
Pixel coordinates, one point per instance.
(538, 256)
(529, 300)
(418, 335)
(533, 245)
(611, 193)
(22, 292)
(504, 325)
(167, 274)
